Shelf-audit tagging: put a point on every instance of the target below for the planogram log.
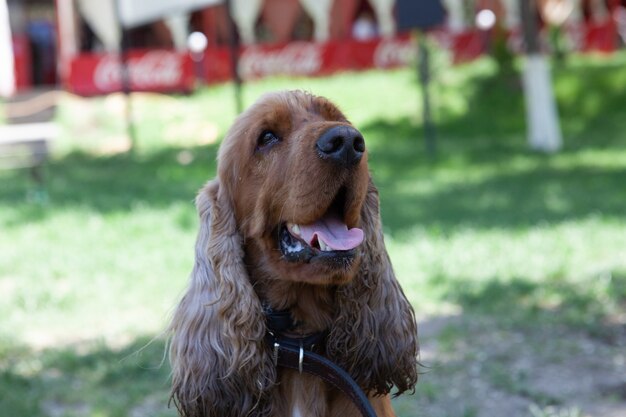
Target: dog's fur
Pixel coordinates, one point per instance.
(221, 364)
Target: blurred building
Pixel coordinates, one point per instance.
(76, 43)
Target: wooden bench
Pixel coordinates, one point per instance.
(26, 146)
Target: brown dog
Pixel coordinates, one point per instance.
(291, 223)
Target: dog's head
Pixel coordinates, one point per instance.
(296, 172)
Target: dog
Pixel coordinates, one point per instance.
(290, 224)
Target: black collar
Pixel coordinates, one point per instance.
(298, 353)
(280, 322)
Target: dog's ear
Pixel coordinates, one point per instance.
(374, 335)
(219, 363)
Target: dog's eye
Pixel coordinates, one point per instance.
(266, 139)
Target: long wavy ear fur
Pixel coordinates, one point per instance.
(374, 336)
(219, 363)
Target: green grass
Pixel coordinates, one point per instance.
(89, 275)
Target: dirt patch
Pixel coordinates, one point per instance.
(477, 366)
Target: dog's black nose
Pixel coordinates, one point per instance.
(342, 145)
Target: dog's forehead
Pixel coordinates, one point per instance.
(296, 105)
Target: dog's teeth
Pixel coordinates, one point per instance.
(323, 246)
(296, 229)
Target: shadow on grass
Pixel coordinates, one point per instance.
(542, 192)
(511, 200)
(103, 381)
(591, 102)
(590, 306)
(113, 183)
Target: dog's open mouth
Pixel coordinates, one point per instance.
(327, 238)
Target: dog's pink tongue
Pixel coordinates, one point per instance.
(333, 232)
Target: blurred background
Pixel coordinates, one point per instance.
(497, 138)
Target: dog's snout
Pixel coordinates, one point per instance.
(342, 145)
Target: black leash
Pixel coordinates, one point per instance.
(297, 354)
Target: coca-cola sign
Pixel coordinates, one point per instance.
(309, 58)
(394, 53)
(152, 69)
(298, 58)
(156, 70)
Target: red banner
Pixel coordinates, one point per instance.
(168, 71)
(601, 37)
(149, 70)
(472, 43)
(308, 58)
(21, 58)
(469, 45)
(593, 37)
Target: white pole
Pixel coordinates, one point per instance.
(542, 119)
(7, 72)
(544, 132)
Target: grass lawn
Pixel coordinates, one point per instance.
(515, 261)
